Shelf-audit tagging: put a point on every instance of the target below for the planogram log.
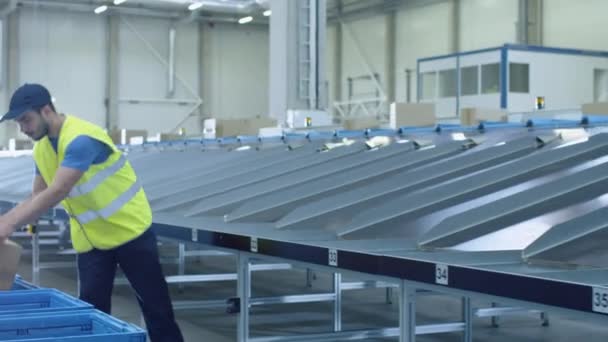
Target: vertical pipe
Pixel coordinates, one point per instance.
(201, 75)
(35, 257)
(467, 318)
(181, 262)
(523, 22)
(540, 13)
(407, 313)
(458, 89)
(337, 302)
(390, 58)
(243, 291)
(408, 85)
(171, 69)
(338, 57)
(111, 101)
(313, 55)
(456, 27)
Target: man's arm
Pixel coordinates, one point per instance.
(43, 198)
(38, 186)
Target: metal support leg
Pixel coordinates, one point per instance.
(77, 282)
(337, 302)
(181, 262)
(467, 318)
(310, 276)
(243, 293)
(494, 319)
(544, 316)
(389, 295)
(407, 313)
(35, 257)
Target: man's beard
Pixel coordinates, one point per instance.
(43, 133)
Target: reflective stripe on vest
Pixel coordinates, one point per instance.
(98, 178)
(111, 208)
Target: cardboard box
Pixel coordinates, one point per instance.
(597, 108)
(171, 137)
(10, 253)
(360, 123)
(412, 114)
(245, 126)
(472, 116)
(123, 136)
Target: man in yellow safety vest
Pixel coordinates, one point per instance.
(78, 165)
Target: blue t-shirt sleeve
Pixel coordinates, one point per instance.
(84, 151)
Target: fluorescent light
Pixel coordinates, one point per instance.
(195, 5)
(267, 13)
(53, 99)
(245, 20)
(118, 2)
(101, 9)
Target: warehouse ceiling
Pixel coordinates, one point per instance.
(213, 10)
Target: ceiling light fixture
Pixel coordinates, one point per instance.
(118, 2)
(245, 20)
(101, 9)
(267, 13)
(195, 5)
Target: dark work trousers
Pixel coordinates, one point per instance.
(140, 263)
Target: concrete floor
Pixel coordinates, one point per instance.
(362, 309)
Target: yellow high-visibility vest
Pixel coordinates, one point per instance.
(107, 206)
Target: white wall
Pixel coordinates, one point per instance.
(487, 23)
(421, 32)
(235, 70)
(426, 31)
(567, 89)
(364, 48)
(575, 24)
(143, 75)
(65, 52)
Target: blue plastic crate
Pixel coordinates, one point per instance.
(38, 301)
(21, 284)
(68, 326)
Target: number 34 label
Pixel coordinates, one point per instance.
(441, 274)
(600, 300)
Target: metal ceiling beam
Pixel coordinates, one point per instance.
(365, 9)
(147, 9)
(67, 5)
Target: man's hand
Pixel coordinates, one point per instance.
(30, 210)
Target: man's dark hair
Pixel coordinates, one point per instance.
(49, 104)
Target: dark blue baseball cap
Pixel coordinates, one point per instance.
(29, 96)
